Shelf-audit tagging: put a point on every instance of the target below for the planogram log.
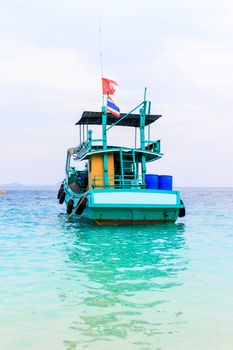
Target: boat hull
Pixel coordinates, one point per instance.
(128, 216)
(115, 207)
(128, 222)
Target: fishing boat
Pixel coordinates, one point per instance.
(109, 184)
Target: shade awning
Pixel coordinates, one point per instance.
(95, 118)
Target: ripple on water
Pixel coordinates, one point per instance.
(81, 286)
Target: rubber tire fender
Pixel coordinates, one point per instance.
(182, 211)
(81, 205)
(61, 189)
(62, 197)
(70, 206)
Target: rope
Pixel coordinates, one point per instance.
(68, 217)
(73, 211)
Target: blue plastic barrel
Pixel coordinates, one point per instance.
(152, 181)
(165, 182)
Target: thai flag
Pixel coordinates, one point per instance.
(112, 107)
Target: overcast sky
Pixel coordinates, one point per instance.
(50, 72)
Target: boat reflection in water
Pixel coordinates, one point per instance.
(125, 279)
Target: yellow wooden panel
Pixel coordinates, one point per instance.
(96, 170)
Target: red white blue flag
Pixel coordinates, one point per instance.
(112, 107)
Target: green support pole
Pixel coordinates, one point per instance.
(142, 135)
(122, 168)
(104, 137)
(142, 128)
(89, 140)
(134, 167)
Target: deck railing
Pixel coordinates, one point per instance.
(118, 182)
(87, 146)
(153, 146)
(82, 149)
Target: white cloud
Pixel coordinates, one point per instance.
(49, 66)
(52, 68)
(206, 66)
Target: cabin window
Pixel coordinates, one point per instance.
(117, 164)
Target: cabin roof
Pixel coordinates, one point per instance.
(95, 118)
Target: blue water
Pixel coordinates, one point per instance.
(78, 286)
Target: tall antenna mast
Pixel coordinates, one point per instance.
(101, 56)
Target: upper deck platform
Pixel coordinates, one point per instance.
(86, 150)
(95, 118)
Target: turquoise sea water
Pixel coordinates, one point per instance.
(79, 286)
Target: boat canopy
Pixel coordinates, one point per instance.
(95, 118)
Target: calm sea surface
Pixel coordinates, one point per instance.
(79, 286)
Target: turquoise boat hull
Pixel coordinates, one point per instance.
(130, 206)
